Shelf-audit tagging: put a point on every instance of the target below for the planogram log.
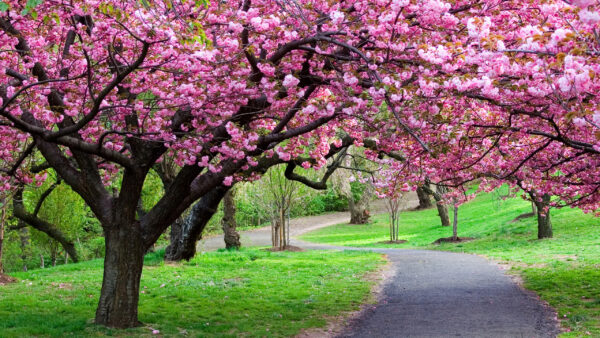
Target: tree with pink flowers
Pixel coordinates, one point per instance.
(102, 91)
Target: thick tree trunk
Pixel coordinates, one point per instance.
(184, 247)
(123, 263)
(230, 234)
(175, 240)
(424, 199)
(543, 217)
(359, 213)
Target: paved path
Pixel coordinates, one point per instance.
(433, 293)
(445, 294)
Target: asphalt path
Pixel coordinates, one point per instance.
(432, 293)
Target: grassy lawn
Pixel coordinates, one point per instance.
(250, 293)
(564, 270)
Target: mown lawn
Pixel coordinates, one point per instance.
(250, 293)
(564, 270)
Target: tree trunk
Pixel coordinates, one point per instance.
(359, 213)
(442, 208)
(230, 234)
(184, 246)
(543, 217)
(455, 224)
(24, 238)
(123, 263)
(175, 240)
(1, 242)
(424, 199)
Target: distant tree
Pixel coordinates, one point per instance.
(424, 198)
(230, 234)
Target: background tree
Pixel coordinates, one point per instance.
(230, 234)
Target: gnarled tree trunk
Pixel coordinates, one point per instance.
(230, 234)
(123, 263)
(543, 217)
(424, 199)
(359, 210)
(184, 246)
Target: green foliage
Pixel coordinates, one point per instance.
(563, 270)
(220, 294)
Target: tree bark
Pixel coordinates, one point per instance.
(442, 208)
(184, 247)
(438, 195)
(1, 241)
(543, 217)
(123, 263)
(455, 224)
(24, 238)
(359, 213)
(424, 199)
(175, 240)
(230, 234)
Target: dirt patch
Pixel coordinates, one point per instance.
(4, 279)
(290, 248)
(452, 240)
(336, 324)
(400, 241)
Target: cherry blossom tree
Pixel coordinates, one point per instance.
(102, 91)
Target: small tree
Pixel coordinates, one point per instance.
(278, 193)
(394, 204)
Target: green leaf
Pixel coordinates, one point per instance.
(3, 6)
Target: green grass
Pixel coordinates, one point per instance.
(249, 293)
(564, 270)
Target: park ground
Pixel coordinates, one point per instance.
(259, 293)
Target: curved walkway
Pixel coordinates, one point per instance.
(446, 294)
(432, 293)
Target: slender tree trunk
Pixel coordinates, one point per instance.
(1, 242)
(230, 234)
(123, 263)
(282, 242)
(455, 224)
(53, 255)
(24, 238)
(42, 265)
(424, 199)
(543, 217)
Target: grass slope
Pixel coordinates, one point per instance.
(564, 270)
(250, 293)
